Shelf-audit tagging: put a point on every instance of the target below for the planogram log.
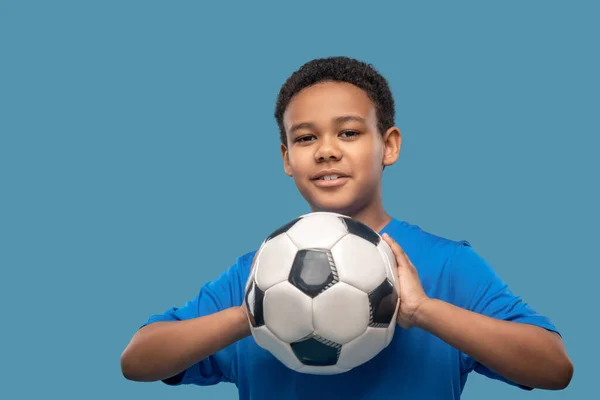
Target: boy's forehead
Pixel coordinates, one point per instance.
(325, 101)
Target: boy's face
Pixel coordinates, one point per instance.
(332, 130)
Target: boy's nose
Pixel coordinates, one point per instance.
(327, 151)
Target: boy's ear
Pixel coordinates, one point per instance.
(392, 142)
(286, 160)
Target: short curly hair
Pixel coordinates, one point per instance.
(339, 69)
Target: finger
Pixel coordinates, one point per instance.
(396, 249)
(402, 259)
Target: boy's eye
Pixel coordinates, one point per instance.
(349, 133)
(304, 138)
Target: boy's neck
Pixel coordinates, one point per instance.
(374, 219)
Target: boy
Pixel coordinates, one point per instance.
(336, 117)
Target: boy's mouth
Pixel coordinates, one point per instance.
(330, 178)
(330, 183)
(329, 175)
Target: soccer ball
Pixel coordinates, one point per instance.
(322, 294)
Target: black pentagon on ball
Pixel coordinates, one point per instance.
(383, 302)
(317, 351)
(282, 229)
(255, 311)
(361, 230)
(313, 271)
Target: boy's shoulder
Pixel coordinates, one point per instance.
(413, 239)
(437, 257)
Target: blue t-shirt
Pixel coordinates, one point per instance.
(416, 364)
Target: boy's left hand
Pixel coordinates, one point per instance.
(412, 295)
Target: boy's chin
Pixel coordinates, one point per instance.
(333, 207)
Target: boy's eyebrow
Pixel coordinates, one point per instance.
(338, 120)
(301, 125)
(347, 118)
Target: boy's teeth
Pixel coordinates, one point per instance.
(329, 177)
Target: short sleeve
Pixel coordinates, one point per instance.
(478, 288)
(222, 293)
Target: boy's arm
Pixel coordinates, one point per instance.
(163, 349)
(188, 344)
(527, 355)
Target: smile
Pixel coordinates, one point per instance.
(330, 181)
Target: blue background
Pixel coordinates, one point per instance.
(139, 157)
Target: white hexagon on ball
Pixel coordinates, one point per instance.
(288, 312)
(363, 348)
(274, 262)
(318, 230)
(341, 313)
(390, 260)
(359, 263)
